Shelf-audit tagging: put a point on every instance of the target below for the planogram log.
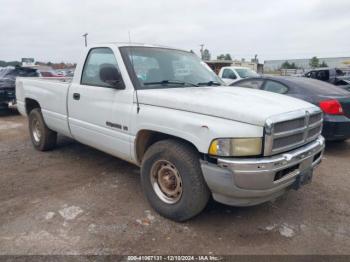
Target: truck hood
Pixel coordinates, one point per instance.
(234, 103)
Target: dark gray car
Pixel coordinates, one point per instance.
(333, 76)
(8, 80)
(333, 100)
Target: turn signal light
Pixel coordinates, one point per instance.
(331, 107)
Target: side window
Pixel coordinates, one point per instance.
(323, 75)
(339, 72)
(275, 87)
(228, 73)
(313, 74)
(252, 83)
(99, 58)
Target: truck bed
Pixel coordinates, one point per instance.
(51, 93)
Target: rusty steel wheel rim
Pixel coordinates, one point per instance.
(36, 130)
(166, 181)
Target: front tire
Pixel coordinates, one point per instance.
(172, 180)
(42, 137)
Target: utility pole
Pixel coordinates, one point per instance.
(202, 50)
(85, 37)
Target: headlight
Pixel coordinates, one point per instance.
(236, 147)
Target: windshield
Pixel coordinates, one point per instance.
(246, 72)
(151, 67)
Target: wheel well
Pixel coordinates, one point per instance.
(31, 104)
(146, 138)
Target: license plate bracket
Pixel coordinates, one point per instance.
(303, 178)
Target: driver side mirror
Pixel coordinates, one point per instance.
(110, 75)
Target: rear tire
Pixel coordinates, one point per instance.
(42, 137)
(172, 179)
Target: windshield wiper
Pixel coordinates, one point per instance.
(210, 83)
(166, 82)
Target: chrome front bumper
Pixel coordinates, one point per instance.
(251, 181)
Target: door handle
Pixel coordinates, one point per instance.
(76, 96)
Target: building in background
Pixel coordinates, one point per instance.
(216, 65)
(303, 64)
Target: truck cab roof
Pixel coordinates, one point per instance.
(132, 44)
(236, 67)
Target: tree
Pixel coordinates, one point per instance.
(228, 57)
(323, 64)
(206, 55)
(224, 57)
(287, 65)
(255, 59)
(314, 62)
(11, 63)
(220, 57)
(293, 66)
(14, 63)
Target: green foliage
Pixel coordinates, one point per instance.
(287, 65)
(224, 57)
(314, 62)
(206, 55)
(323, 64)
(228, 57)
(220, 57)
(11, 63)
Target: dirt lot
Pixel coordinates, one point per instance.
(77, 200)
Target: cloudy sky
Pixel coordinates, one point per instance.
(273, 29)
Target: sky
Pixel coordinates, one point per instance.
(272, 29)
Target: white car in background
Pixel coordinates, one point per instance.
(231, 74)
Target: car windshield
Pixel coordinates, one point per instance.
(151, 67)
(246, 72)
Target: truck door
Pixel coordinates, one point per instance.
(99, 112)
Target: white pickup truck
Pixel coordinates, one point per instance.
(164, 110)
(231, 74)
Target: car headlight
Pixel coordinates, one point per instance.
(236, 147)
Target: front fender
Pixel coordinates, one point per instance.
(197, 129)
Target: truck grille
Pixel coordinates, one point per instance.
(286, 132)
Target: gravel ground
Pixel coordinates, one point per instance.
(78, 200)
